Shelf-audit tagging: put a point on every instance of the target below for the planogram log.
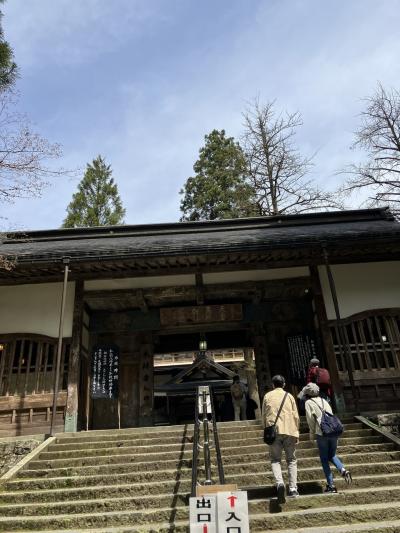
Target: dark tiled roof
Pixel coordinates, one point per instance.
(338, 228)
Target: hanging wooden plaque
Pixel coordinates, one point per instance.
(200, 314)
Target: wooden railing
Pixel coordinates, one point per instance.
(373, 339)
(28, 364)
(373, 344)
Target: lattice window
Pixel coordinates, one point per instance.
(373, 338)
(27, 365)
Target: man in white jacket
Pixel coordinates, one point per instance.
(327, 445)
(287, 427)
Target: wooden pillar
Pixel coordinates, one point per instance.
(252, 378)
(261, 360)
(146, 380)
(326, 337)
(71, 415)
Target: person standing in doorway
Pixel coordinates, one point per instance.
(320, 376)
(327, 445)
(287, 428)
(238, 393)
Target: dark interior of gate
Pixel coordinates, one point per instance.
(255, 330)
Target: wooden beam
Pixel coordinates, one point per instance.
(31, 401)
(199, 288)
(146, 380)
(142, 301)
(71, 415)
(326, 337)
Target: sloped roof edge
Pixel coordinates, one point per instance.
(208, 226)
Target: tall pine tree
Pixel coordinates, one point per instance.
(8, 67)
(219, 188)
(97, 201)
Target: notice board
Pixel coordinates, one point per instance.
(301, 350)
(105, 372)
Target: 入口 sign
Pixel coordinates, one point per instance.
(227, 512)
(233, 512)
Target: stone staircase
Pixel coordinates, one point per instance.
(138, 480)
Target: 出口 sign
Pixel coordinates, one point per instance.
(105, 372)
(203, 514)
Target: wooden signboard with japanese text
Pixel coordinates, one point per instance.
(200, 314)
(301, 351)
(105, 372)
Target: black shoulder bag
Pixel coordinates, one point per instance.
(270, 431)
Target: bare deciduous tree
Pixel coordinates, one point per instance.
(23, 154)
(276, 169)
(379, 135)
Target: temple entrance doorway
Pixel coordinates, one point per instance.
(182, 362)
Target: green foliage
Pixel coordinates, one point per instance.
(97, 202)
(218, 189)
(8, 68)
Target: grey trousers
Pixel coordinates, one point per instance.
(239, 407)
(288, 444)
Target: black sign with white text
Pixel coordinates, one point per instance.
(105, 372)
(301, 351)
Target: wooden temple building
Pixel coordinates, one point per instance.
(263, 295)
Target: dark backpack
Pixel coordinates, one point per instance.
(330, 424)
(322, 377)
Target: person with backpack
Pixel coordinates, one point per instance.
(279, 414)
(238, 393)
(321, 377)
(326, 428)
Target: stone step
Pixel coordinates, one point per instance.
(110, 490)
(96, 505)
(225, 439)
(244, 463)
(303, 444)
(181, 487)
(239, 474)
(326, 515)
(391, 526)
(386, 526)
(100, 519)
(171, 527)
(316, 486)
(307, 472)
(348, 497)
(115, 435)
(123, 447)
(230, 458)
(332, 515)
(134, 435)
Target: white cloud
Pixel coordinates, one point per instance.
(73, 31)
(317, 57)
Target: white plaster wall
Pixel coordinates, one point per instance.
(35, 309)
(140, 283)
(362, 286)
(189, 279)
(255, 275)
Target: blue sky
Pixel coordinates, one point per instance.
(142, 81)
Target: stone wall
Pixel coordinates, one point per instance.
(13, 450)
